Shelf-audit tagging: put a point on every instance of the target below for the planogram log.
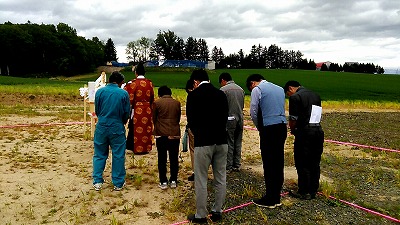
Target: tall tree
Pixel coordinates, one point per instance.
(144, 48)
(110, 53)
(232, 61)
(132, 51)
(203, 50)
(191, 48)
(241, 59)
(139, 50)
(274, 56)
(164, 44)
(178, 50)
(218, 56)
(380, 70)
(65, 28)
(215, 54)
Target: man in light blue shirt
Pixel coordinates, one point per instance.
(112, 108)
(267, 110)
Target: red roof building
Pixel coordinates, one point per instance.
(319, 65)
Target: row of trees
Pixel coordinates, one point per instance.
(262, 57)
(353, 67)
(167, 45)
(45, 50)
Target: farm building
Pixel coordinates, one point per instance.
(319, 65)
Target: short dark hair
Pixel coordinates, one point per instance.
(292, 83)
(164, 90)
(200, 75)
(139, 69)
(253, 77)
(224, 76)
(189, 85)
(116, 77)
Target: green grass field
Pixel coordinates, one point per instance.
(332, 86)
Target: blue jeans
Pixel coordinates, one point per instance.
(105, 137)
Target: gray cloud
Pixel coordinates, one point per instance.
(342, 25)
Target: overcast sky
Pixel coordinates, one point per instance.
(338, 31)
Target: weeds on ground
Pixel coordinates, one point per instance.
(327, 189)
(248, 192)
(262, 215)
(135, 180)
(114, 221)
(182, 201)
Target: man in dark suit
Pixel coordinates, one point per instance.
(304, 122)
(207, 115)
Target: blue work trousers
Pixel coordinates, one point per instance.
(105, 137)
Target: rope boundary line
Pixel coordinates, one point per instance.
(43, 124)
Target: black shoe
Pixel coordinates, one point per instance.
(296, 194)
(215, 216)
(191, 177)
(263, 202)
(193, 219)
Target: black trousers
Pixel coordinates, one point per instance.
(272, 144)
(308, 147)
(171, 147)
(129, 138)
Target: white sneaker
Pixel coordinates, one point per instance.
(163, 186)
(119, 188)
(97, 186)
(173, 184)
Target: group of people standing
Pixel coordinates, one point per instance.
(215, 131)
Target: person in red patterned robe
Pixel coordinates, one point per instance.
(141, 95)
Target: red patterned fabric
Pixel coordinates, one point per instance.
(141, 95)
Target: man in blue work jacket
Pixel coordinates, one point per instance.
(112, 108)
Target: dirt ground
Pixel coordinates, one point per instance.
(45, 175)
(46, 178)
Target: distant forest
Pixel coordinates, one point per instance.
(48, 50)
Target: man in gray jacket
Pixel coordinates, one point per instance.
(235, 95)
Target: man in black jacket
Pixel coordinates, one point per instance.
(207, 115)
(304, 122)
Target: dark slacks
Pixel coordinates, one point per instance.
(308, 147)
(235, 136)
(272, 144)
(166, 147)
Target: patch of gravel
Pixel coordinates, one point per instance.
(293, 211)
